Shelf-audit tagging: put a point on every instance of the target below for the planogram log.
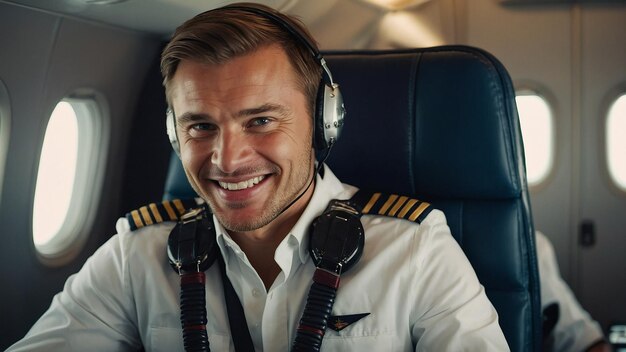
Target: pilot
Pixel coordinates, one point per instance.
(278, 254)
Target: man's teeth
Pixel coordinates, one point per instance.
(241, 185)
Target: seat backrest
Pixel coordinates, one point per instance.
(441, 124)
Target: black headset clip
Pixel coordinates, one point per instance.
(337, 237)
(191, 246)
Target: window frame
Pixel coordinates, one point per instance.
(93, 119)
(612, 98)
(527, 89)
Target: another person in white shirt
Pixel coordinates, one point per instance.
(575, 329)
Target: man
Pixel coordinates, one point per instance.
(574, 329)
(242, 88)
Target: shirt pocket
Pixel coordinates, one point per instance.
(381, 342)
(171, 340)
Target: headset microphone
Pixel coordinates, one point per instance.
(319, 170)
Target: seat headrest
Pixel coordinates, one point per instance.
(429, 121)
(401, 105)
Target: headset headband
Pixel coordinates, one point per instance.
(294, 31)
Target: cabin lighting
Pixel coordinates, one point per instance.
(396, 5)
(103, 2)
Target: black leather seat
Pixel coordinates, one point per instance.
(440, 124)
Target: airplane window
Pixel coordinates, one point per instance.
(68, 179)
(4, 130)
(616, 141)
(537, 132)
(57, 170)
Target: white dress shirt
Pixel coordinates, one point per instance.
(575, 329)
(414, 280)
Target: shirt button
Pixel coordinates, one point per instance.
(256, 292)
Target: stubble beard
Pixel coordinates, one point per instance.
(275, 207)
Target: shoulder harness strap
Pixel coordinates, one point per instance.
(154, 213)
(393, 205)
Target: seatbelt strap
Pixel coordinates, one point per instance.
(236, 316)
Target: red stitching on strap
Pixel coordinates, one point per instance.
(194, 327)
(193, 278)
(326, 278)
(310, 329)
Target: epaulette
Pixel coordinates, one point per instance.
(154, 213)
(393, 205)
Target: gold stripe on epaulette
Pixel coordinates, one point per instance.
(136, 219)
(155, 213)
(388, 203)
(397, 206)
(145, 215)
(407, 207)
(169, 210)
(420, 209)
(179, 206)
(371, 203)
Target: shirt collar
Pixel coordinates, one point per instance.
(326, 189)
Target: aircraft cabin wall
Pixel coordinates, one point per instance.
(44, 58)
(572, 54)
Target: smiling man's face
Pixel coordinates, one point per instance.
(245, 136)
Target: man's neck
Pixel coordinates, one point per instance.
(260, 245)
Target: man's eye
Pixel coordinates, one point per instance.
(200, 130)
(202, 127)
(259, 121)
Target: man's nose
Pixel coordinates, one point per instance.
(231, 150)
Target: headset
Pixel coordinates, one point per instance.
(328, 118)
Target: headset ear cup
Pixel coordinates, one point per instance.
(170, 124)
(319, 139)
(329, 116)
